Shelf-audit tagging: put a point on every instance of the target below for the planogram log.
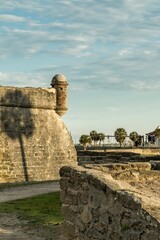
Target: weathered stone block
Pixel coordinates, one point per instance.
(70, 212)
(86, 216)
(68, 230)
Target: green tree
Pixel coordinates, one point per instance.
(96, 139)
(85, 140)
(120, 135)
(101, 137)
(134, 137)
(94, 136)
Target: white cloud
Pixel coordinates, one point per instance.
(148, 85)
(21, 79)
(117, 42)
(125, 52)
(11, 18)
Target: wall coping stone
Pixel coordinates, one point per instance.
(28, 97)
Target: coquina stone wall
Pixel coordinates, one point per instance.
(102, 157)
(34, 142)
(95, 207)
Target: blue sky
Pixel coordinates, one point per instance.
(109, 50)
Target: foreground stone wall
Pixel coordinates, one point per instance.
(34, 142)
(94, 206)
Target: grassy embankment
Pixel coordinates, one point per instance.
(43, 209)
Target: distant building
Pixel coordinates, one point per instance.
(152, 140)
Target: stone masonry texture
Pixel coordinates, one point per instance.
(94, 207)
(34, 142)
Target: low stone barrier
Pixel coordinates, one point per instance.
(95, 206)
(101, 157)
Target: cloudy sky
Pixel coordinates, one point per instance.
(109, 50)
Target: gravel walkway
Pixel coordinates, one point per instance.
(14, 193)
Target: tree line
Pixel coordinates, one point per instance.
(120, 135)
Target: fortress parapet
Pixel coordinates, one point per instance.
(28, 97)
(54, 98)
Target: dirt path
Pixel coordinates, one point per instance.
(14, 228)
(14, 193)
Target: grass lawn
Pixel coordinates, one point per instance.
(43, 209)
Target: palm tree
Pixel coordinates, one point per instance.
(96, 138)
(134, 137)
(93, 135)
(85, 140)
(101, 137)
(120, 135)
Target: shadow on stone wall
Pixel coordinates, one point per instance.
(17, 121)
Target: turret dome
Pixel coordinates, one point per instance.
(58, 79)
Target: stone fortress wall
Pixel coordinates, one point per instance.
(114, 202)
(34, 142)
